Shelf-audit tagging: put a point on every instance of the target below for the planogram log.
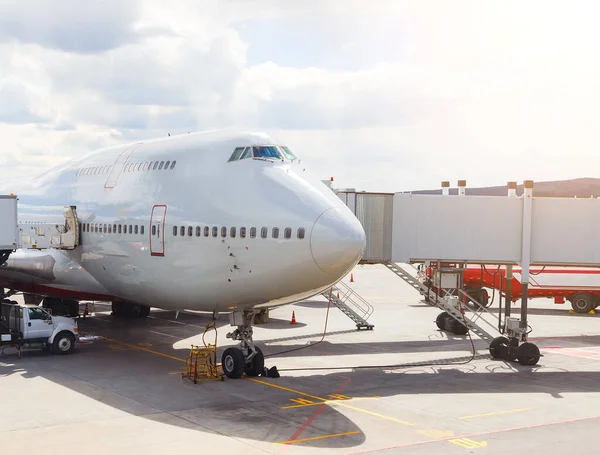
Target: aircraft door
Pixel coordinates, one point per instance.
(157, 230)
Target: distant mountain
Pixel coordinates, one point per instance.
(584, 187)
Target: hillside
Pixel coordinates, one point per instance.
(583, 187)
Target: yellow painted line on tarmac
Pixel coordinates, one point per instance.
(140, 348)
(338, 403)
(376, 414)
(316, 438)
(326, 402)
(510, 411)
(287, 389)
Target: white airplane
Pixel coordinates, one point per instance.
(213, 221)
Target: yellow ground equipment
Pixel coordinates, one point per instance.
(202, 361)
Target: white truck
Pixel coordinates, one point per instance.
(30, 325)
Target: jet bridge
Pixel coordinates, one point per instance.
(15, 235)
(452, 231)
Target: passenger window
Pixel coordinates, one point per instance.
(253, 232)
(247, 153)
(174, 230)
(167, 165)
(223, 231)
(288, 233)
(236, 154)
(243, 232)
(263, 232)
(190, 231)
(301, 233)
(232, 232)
(87, 229)
(105, 229)
(135, 229)
(155, 165)
(173, 164)
(215, 231)
(130, 229)
(115, 228)
(145, 166)
(150, 166)
(110, 228)
(142, 229)
(182, 231)
(119, 228)
(275, 233)
(206, 231)
(161, 165)
(198, 231)
(139, 166)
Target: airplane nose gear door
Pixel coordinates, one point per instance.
(157, 230)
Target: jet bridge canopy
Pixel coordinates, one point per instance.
(404, 227)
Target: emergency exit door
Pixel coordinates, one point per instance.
(157, 230)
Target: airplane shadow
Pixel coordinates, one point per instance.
(136, 382)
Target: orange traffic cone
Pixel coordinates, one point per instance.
(293, 318)
(352, 278)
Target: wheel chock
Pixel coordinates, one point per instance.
(571, 312)
(592, 312)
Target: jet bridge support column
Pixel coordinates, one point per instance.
(509, 347)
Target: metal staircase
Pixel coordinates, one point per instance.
(450, 304)
(351, 304)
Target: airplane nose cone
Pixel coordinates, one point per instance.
(337, 241)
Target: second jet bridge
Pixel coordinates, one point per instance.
(405, 228)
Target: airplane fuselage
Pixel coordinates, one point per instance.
(172, 223)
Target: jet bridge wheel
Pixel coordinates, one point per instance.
(233, 363)
(498, 347)
(528, 354)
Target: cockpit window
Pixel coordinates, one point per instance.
(267, 152)
(247, 153)
(287, 152)
(236, 154)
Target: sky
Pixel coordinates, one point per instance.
(381, 95)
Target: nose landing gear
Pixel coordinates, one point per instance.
(246, 357)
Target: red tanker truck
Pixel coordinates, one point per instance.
(580, 286)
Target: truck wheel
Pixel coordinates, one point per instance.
(64, 343)
(582, 303)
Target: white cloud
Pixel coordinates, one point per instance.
(421, 91)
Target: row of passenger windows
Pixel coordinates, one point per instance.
(232, 232)
(130, 167)
(112, 228)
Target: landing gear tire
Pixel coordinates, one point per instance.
(233, 363)
(582, 303)
(143, 311)
(528, 354)
(498, 347)
(64, 343)
(257, 365)
(440, 321)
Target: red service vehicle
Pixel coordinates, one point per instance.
(580, 286)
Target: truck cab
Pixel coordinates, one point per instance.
(30, 324)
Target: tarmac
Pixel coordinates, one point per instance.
(122, 391)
